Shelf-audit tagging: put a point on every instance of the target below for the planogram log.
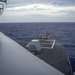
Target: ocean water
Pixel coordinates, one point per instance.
(65, 32)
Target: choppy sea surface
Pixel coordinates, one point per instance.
(65, 32)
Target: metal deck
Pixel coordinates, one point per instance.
(55, 56)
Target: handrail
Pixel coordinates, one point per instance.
(51, 46)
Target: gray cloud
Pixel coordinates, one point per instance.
(40, 1)
(39, 18)
(14, 3)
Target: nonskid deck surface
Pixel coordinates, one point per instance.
(55, 56)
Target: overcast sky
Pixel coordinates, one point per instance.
(39, 11)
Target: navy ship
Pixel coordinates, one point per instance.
(49, 49)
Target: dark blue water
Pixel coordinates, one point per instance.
(65, 32)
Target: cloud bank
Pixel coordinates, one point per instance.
(39, 11)
(42, 9)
